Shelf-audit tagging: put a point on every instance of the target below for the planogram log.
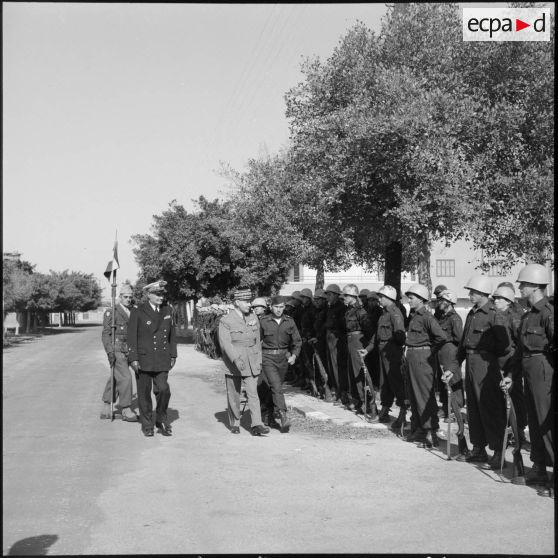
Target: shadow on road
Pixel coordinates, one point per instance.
(222, 418)
(33, 546)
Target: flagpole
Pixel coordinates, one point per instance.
(113, 337)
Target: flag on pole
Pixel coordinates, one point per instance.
(113, 264)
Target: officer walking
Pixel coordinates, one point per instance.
(484, 348)
(239, 339)
(389, 339)
(281, 345)
(118, 356)
(152, 342)
(536, 350)
(423, 334)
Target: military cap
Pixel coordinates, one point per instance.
(364, 293)
(126, 288)
(306, 292)
(277, 299)
(320, 293)
(333, 288)
(242, 294)
(155, 287)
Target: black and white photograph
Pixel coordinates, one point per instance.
(278, 278)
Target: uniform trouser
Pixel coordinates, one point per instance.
(274, 368)
(538, 371)
(320, 348)
(456, 383)
(354, 367)
(234, 385)
(422, 379)
(517, 395)
(336, 368)
(122, 382)
(371, 361)
(158, 381)
(306, 360)
(486, 410)
(391, 380)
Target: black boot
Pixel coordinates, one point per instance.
(478, 455)
(494, 462)
(537, 475)
(383, 415)
(418, 435)
(285, 422)
(463, 448)
(400, 420)
(430, 440)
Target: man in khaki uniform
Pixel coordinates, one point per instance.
(239, 339)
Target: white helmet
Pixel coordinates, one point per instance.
(480, 283)
(388, 291)
(448, 296)
(534, 273)
(418, 290)
(504, 292)
(350, 290)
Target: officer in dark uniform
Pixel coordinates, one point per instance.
(336, 344)
(152, 342)
(536, 350)
(293, 307)
(424, 335)
(118, 356)
(357, 326)
(372, 358)
(389, 339)
(452, 326)
(281, 345)
(484, 347)
(440, 388)
(319, 341)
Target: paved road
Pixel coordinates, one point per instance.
(74, 484)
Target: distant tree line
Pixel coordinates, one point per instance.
(397, 140)
(36, 295)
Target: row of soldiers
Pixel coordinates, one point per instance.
(505, 346)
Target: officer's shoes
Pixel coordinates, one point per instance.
(418, 436)
(147, 431)
(463, 449)
(430, 440)
(494, 462)
(537, 476)
(164, 428)
(384, 415)
(285, 422)
(478, 455)
(235, 430)
(400, 420)
(259, 429)
(128, 415)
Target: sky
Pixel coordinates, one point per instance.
(111, 111)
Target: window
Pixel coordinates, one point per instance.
(445, 268)
(86, 315)
(297, 273)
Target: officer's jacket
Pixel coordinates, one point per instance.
(452, 326)
(151, 338)
(282, 335)
(320, 322)
(424, 330)
(374, 316)
(307, 318)
(536, 329)
(335, 317)
(121, 318)
(485, 331)
(357, 319)
(391, 328)
(239, 338)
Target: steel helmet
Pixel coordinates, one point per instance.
(364, 293)
(320, 293)
(388, 291)
(296, 294)
(534, 273)
(439, 289)
(448, 296)
(480, 283)
(333, 288)
(306, 292)
(373, 294)
(506, 284)
(259, 301)
(504, 292)
(350, 290)
(418, 290)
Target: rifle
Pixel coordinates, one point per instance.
(518, 474)
(448, 443)
(368, 390)
(310, 368)
(406, 387)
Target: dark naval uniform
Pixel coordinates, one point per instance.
(484, 348)
(152, 343)
(337, 348)
(424, 334)
(122, 375)
(239, 339)
(357, 326)
(536, 350)
(279, 342)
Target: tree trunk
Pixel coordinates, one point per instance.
(423, 261)
(320, 276)
(27, 321)
(394, 255)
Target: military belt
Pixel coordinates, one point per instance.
(476, 352)
(356, 332)
(244, 343)
(422, 347)
(274, 351)
(534, 353)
